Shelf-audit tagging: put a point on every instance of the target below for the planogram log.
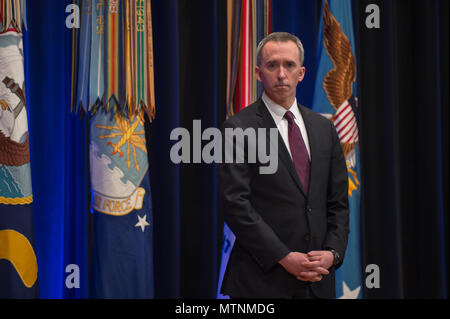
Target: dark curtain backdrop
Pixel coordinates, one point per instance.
(403, 95)
(403, 74)
(190, 75)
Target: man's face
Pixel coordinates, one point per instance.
(280, 71)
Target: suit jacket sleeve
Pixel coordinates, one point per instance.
(252, 233)
(337, 200)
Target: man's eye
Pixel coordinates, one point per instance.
(290, 65)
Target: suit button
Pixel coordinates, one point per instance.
(308, 209)
(307, 237)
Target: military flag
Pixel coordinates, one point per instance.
(335, 97)
(113, 84)
(18, 263)
(248, 22)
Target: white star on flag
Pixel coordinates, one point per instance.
(348, 293)
(142, 222)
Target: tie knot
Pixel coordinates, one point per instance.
(289, 117)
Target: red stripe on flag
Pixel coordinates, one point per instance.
(246, 51)
(341, 121)
(341, 116)
(114, 57)
(352, 129)
(343, 108)
(242, 89)
(354, 137)
(9, 30)
(346, 125)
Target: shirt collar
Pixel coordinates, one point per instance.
(278, 111)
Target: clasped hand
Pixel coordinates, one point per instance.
(308, 267)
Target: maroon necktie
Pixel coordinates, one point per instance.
(298, 150)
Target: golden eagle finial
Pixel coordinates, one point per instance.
(338, 81)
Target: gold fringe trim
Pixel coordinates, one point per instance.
(16, 201)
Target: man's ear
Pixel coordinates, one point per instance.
(302, 74)
(258, 73)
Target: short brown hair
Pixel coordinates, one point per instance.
(280, 37)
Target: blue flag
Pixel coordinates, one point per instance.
(121, 200)
(18, 263)
(122, 250)
(335, 98)
(228, 239)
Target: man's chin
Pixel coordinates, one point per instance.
(281, 98)
(283, 93)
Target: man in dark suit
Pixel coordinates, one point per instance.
(291, 226)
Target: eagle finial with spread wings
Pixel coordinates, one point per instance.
(338, 81)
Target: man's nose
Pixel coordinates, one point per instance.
(281, 73)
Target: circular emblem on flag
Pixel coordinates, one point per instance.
(118, 158)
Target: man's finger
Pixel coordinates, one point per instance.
(315, 258)
(321, 270)
(311, 264)
(302, 278)
(307, 279)
(312, 278)
(307, 274)
(314, 253)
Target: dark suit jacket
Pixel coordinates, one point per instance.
(271, 215)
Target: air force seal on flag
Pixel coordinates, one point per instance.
(118, 158)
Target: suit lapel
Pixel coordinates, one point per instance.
(266, 121)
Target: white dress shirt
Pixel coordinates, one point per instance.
(277, 112)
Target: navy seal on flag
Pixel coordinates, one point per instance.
(18, 262)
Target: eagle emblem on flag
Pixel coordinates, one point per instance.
(338, 83)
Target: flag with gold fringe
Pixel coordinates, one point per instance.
(113, 58)
(335, 97)
(248, 22)
(112, 83)
(18, 263)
